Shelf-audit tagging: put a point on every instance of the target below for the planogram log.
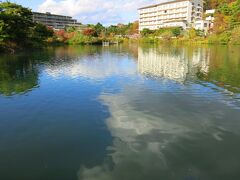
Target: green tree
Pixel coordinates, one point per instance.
(112, 30)
(40, 33)
(146, 32)
(176, 31)
(98, 28)
(133, 28)
(15, 22)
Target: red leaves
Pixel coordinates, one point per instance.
(88, 32)
(63, 35)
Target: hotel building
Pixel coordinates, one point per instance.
(54, 21)
(178, 13)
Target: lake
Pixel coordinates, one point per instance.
(127, 112)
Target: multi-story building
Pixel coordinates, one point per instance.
(54, 21)
(178, 13)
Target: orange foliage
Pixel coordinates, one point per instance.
(221, 23)
(60, 32)
(63, 35)
(88, 32)
(134, 28)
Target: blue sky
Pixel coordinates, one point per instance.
(33, 4)
(90, 11)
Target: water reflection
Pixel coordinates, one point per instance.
(173, 130)
(17, 75)
(167, 136)
(178, 65)
(216, 66)
(91, 62)
(158, 113)
(95, 67)
(224, 68)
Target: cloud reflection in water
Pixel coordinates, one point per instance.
(93, 67)
(156, 131)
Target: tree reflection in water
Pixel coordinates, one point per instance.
(18, 74)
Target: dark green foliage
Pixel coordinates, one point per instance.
(177, 31)
(146, 32)
(17, 76)
(225, 9)
(17, 30)
(169, 32)
(99, 28)
(122, 29)
(200, 33)
(15, 22)
(40, 33)
(112, 29)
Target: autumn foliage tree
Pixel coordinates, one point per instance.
(227, 14)
(88, 32)
(134, 28)
(64, 36)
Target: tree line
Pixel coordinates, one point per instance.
(18, 31)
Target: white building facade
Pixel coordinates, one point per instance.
(178, 13)
(203, 25)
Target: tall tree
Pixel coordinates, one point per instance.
(99, 28)
(15, 22)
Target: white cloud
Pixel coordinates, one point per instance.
(104, 11)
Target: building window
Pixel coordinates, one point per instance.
(205, 24)
(165, 11)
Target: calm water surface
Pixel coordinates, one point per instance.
(121, 113)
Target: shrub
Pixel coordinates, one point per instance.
(192, 33)
(222, 38)
(149, 40)
(79, 38)
(235, 36)
(167, 35)
(213, 39)
(176, 31)
(146, 32)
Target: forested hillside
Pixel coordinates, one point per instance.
(227, 14)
